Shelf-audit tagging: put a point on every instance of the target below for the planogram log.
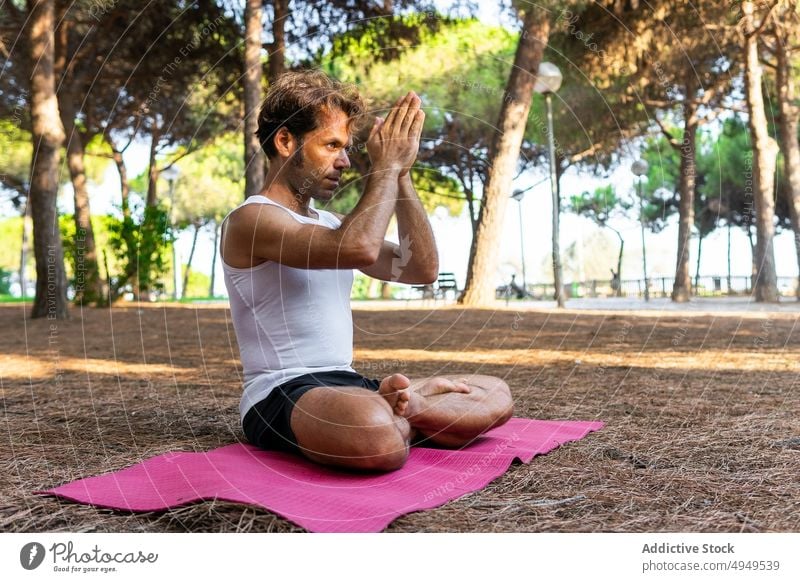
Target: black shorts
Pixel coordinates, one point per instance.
(267, 424)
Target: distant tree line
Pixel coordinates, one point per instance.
(82, 82)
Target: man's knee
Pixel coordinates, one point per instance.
(505, 402)
(362, 433)
(499, 395)
(383, 445)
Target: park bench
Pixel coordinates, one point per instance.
(446, 282)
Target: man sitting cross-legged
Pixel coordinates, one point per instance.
(289, 270)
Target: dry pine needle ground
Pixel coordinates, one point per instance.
(702, 414)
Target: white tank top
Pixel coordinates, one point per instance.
(289, 321)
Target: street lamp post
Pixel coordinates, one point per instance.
(171, 175)
(639, 168)
(518, 195)
(548, 81)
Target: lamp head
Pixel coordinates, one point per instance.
(548, 78)
(639, 167)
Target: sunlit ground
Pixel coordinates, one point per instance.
(700, 406)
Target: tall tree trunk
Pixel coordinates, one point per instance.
(697, 267)
(48, 136)
(130, 273)
(555, 190)
(88, 284)
(277, 48)
(729, 256)
(254, 158)
(788, 122)
(386, 291)
(619, 261)
(765, 151)
(473, 220)
(681, 289)
(479, 288)
(753, 261)
(25, 249)
(189, 262)
(122, 170)
(214, 261)
(152, 169)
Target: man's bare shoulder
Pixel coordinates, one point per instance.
(249, 230)
(246, 218)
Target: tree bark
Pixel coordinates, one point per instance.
(697, 268)
(386, 292)
(254, 158)
(214, 260)
(191, 257)
(125, 188)
(152, 169)
(479, 288)
(753, 263)
(24, 250)
(619, 260)
(277, 52)
(788, 122)
(131, 271)
(681, 289)
(555, 191)
(88, 284)
(729, 258)
(48, 136)
(765, 151)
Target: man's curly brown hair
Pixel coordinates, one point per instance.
(295, 101)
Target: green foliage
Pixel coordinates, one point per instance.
(660, 185)
(600, 205)
(10, 250)
(5, 282)
(434, 188)
(458, 66)
(11, 235)
(197, 285)
(724, 165)
(727, 166)
(101, 226)
(96, 161)
(383, 39)
(66, 224)
(437, 189)
(141, 247)
(361, 284)
(16, 150)
(210, 183)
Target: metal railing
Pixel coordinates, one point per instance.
(704, 286)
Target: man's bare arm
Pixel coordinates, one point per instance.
(358, 242)
(271, 234)
(419, 255)
(416, 260)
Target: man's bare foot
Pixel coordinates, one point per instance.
(393, 389)
(407, 399)
(451, 412)
(421, 390)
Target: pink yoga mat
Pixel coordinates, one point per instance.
(317, 498)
